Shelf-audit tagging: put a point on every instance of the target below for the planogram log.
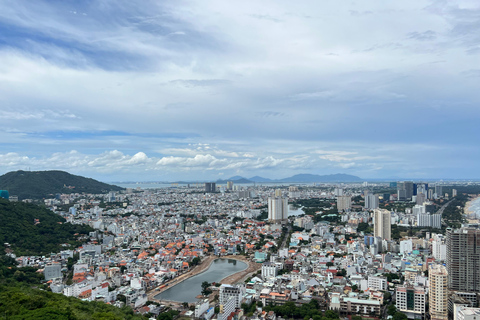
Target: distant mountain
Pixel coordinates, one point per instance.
(339, 177)
(236, 178)
(43, 184)
(260, 179)
(241, 180)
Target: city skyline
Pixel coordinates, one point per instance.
(183, 90)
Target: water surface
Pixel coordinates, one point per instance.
(187, 290)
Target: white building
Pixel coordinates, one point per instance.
(411, 300)
(371, 201)
(269, 270)
(277, 209)
(377, 283)
(439, 250)
(382, 224)
(227, 291)
(406, 246)
(466, 313)
(438, 292)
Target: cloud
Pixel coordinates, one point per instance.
(423, 36)
(188, 85)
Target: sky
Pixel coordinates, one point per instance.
(173, 90)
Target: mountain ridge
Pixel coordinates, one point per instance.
(41, 184)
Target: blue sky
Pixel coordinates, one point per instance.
(170, 90)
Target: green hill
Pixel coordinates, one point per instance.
(18, 228)
(44, 184)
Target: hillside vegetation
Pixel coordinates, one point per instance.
(26, 303)
(19, 228)
(42, 184)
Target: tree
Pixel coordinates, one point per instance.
(391, 310)
(206, 288)
(399, 316)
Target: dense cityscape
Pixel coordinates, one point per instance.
(328, 250)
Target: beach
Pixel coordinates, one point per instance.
(472, 209)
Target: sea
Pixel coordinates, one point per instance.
(161, 185)
(475, 208)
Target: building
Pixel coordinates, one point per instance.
(454, 193)
(377, 283)
(438, 292)
(439, 250)
(277, 209)
(269, 270)
(52, 271)
(463, 259)
(293, 192)
(229, 185)
(338, 192)
(210, 187)
(429, 220)
(371, 201)
(405, 190)
(438, 191)
(344, 203)
(360, 306)
(382, 224)
(421, 198)
(411, 300)
(467, 313)
(228, 291)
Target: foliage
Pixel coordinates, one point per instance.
(40, 184)
(195, 261)
(308, 310)
(18, 228)
(365, 227)
(206, 288)
(262, 216)
(27, 303)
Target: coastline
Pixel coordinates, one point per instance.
(467, 209)
(202, 267)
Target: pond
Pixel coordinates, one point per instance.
(187, 290)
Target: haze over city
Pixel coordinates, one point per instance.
(210, 89)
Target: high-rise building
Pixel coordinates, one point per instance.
(438, 293)
(382, 226)
(405, 190)
(278, 192)
(344, 203)
(371, 201)
(411, 300)
(438, 191)
(210, 187)
(293, 192)
(463, 259)
(429, 220)
(229, 185)
(277, 209)
(338, 192)
(454, 193)
(421, 198)
(227, 292)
